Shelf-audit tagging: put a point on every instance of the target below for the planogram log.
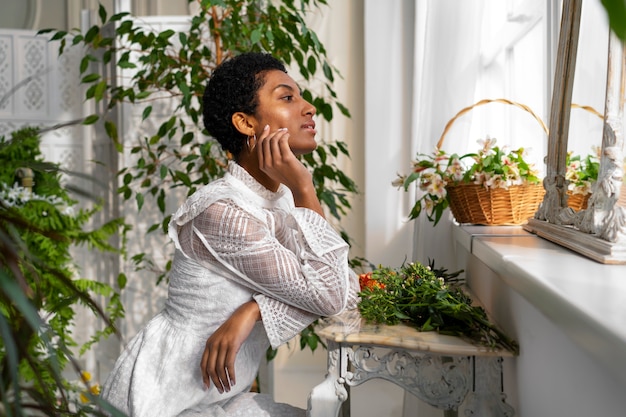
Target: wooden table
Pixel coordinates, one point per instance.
(444, 371)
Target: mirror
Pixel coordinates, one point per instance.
(599, 231)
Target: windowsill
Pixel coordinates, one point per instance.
(585, 299)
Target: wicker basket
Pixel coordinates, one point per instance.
(475, 204)
(577, 201)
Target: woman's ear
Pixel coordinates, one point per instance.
(243, 123)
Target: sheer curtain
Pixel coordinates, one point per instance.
(447, 62)
(422, 62)
(421, 65)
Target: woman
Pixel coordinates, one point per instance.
(256, 262)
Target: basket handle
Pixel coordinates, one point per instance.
(512, 103)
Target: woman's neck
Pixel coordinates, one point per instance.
(251, 165)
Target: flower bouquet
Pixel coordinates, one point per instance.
(499, 187)
(430, 300)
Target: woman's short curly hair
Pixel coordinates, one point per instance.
(232, 88)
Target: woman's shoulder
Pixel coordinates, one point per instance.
(203, 198)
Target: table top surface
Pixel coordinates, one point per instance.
(348, 327)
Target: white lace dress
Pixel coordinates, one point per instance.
(235, 241)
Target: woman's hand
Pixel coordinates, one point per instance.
(220, 352)
(277, 160)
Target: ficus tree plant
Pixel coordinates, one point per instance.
(173, 67)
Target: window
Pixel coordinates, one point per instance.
(518, 53)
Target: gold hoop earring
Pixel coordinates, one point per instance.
(250, 149)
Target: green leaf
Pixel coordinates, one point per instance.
(161, 201)
(184, 178)
(166, 34)
(91, 34)
(328, 72)
(343, 109)
(255, 36)
(139, 199)
(111, 130)
(121, 281)
(77, 39)
(118, 16)
(102, 12)
(84, 64)
(11, 355)
(58, 35)
(187, 138)
(124, 27)
(89, 120)
(146, 112)
(616, 10)
(90, 78)
(312, 65)
(100, 90)
(144, 94)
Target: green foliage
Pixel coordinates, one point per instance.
(39, 287)
(430, 300)
(581, 172)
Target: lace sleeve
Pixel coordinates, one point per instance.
(295, 261)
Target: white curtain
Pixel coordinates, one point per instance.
(421, 66)
(447, 60)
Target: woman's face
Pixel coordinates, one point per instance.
(282, 106)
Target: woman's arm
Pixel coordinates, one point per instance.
(308, 270)
(297, 267)
(220, 352)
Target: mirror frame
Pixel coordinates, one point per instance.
(598, 232)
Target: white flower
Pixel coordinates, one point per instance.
(486, 144)
(399, 181)
(455, 169)
(437, 187)
(429, 206)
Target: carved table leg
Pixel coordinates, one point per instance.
(326, 398)
(488, 399)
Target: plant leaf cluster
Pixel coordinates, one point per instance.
(428, 299)
(40, 289)
(581, 172)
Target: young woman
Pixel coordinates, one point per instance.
(256, 262)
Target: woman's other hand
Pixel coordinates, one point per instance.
(220, 352)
